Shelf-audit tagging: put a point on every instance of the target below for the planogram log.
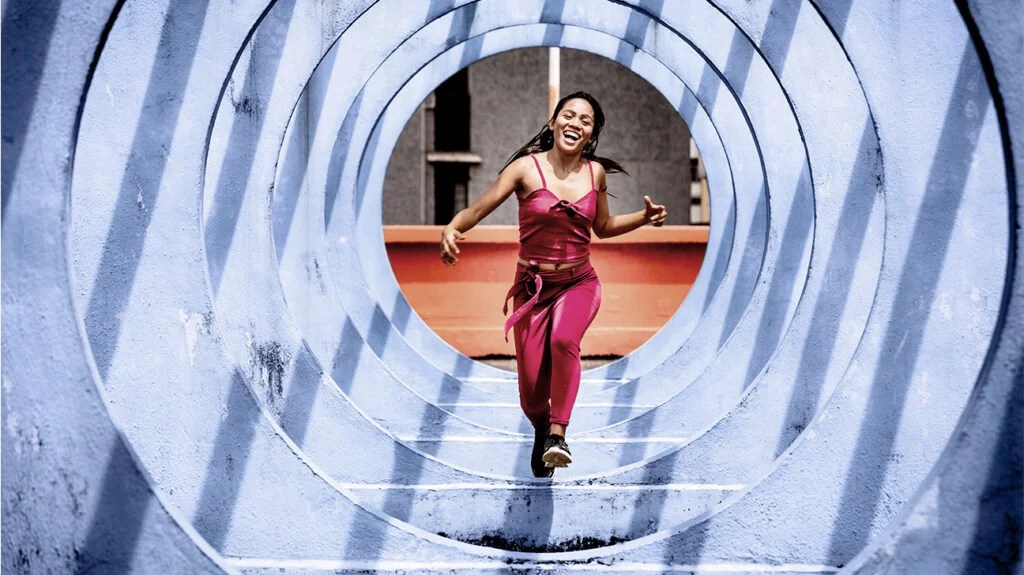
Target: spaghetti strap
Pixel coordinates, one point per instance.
(591, 168)
(543, 182)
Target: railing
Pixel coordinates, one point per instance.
(644, 275)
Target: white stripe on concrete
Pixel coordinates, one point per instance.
(459, 566)
(525, 439)
(516, 405)
(541, 486)
(512, 380)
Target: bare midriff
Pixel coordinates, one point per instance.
(551, 266)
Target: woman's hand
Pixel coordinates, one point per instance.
(450, 251)
(654, 214)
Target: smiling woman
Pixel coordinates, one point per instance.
(461, 136)
(556, 290)
(561, 187)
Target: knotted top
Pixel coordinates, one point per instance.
(553, 230)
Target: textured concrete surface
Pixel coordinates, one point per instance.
(208, 366)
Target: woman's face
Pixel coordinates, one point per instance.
(573, 126)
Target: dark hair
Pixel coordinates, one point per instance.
(545, 138)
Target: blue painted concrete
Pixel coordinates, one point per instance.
(206, 367)
(417, 373)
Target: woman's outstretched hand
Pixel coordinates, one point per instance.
(654, 214)
(450, 251)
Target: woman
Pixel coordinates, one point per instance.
(561, 188)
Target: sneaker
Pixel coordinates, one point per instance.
(556, 452)
(536, 462)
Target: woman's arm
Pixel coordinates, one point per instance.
(508, 181)
(608, 226)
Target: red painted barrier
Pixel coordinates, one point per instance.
(645, 276)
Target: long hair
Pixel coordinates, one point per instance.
(545, 138)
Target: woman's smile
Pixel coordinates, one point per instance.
(574, 124)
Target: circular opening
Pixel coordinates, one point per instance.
(452, 149)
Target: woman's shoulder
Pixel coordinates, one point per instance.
(519, 167)
(522, 162)
(515, 173)
(599, 173)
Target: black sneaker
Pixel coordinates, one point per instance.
(536, 461)
(556, 452)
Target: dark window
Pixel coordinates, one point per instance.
(451, 189)
(451, 134)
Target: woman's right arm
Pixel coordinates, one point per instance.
(508, 181)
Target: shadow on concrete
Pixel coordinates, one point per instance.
(296, 161)
(864, 484)
(637, 26)
(401, 313)
(778, 32)
(865, 190)
(646, 518)
(339, 153)
(690, 543)
(835, 15)
(345, 363)
(117, 520)
(225, 472)
(687, 110)
(26, 24)
(407, 466)
(304, 385)
(529, 514)
(722, 256)
(999, 530)
(551, 15)
(999, 523)
(795, 237)
(249, 103)
(140, 185)
(751, 260)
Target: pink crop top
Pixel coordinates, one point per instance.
(553, 230)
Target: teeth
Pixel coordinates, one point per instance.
(571, 136)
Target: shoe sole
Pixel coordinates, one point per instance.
(556, 457)
(548, 472)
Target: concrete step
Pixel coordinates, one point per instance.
(509, 455)
(509, 415)
(544, 515)
(506, 566)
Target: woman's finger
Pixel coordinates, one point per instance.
(448, 258)
(447, 242)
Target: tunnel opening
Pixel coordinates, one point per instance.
(453, 147)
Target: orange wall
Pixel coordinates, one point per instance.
(644, 276)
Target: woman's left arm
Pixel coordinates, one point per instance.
(608, 226)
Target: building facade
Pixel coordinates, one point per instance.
(454, 145)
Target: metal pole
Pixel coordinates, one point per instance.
(554, 78)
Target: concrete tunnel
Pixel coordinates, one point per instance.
(208, 367)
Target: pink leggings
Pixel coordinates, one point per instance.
(548, 327)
